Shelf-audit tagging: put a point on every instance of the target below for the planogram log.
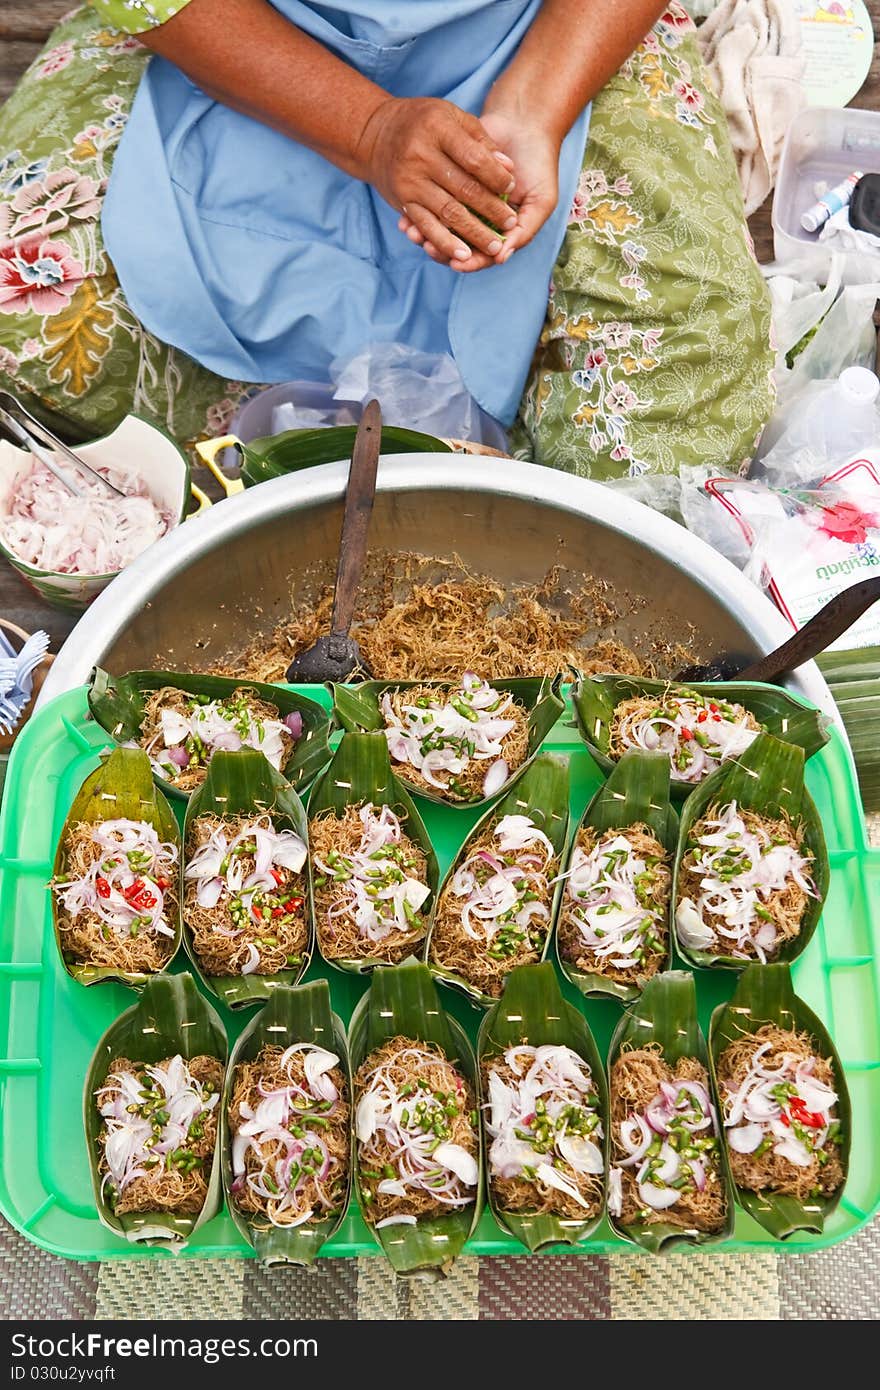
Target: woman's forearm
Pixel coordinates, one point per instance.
(571, 50)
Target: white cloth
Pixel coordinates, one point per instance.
(754, 55)
(842, 237)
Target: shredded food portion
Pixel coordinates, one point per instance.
(417, 1137)
(614, 916)
(494, 912)
(546, 1130)
(744, 884)
(369, 881)
(289, 1124)
(780, 1114)
(157, 1141)
(244, 896)
(464, 742)
(117, 895)
(699, 733)
(181, 732)
(666, 1165)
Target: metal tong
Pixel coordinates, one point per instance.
(11, 413)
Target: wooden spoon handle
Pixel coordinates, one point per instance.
(359, 496)
(828, 624)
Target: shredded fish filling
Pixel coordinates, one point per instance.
(614, 917)
(244, 897)
(666, 1164)
(697, 732)
(369, 885)
(417, 1137)
(744, 884)
(117, 895)
(543, 1118)
(494, 912)
(289, 1123)
(160, 1128)
(182, 732)
(780, 1114)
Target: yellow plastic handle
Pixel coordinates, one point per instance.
(208, 450)
(202, 498)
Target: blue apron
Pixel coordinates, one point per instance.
(263, 261)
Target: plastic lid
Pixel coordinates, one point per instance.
(859, 385)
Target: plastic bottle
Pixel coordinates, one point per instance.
(838, 421)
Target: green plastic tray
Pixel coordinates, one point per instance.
(49, 1025)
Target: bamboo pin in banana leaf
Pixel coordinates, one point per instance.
(418, 1162)
(545, 1113)
(180, 720)
(783, 1102)
(422, 750)
(152, 1184)
(751, 872)
(374, 871)
(667, 1182)
(288, 1076)
(116, 888)
(700, 726)
(496, 905)
(613, 927)
(246, 906)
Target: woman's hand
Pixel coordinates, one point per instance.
(439, 166)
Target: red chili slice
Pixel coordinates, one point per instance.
(103, 887)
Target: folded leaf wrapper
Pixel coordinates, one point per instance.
(767, 778)
(301, 1015)
(121, 788)
(637, 791)
(245, 784)
(666, 1014)
(361, 772)
(358, 707)
(171, 1017)
(118, 704)
(765, 994)
(402, 1001)
(532, 1010)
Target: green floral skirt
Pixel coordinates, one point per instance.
(656, 348)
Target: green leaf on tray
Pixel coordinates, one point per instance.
(170, 1017)
(595, 698)
(293, 450)
(301, 1015)
(357, 707)
(118, 703)
(244, 784)
(361, 772)
(636, 791)
(402, 1001)
(532, 1010)
(121, 787)
(666, 1014)
(764, 994)
(541, 792)
(767, 778)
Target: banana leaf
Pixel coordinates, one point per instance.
(637, 791)
(170, 1017)
(290, 1016)
(241, 784)
(532, 1010)
(595, 698)
(764, 994)
(666, 1013)
(361, 771)
(117, 703)
(540, 792)
(767, 778)
(292, 450)
(357, 707)
(122, 786)
(402, 1001)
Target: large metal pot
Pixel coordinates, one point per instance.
(208, 586)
